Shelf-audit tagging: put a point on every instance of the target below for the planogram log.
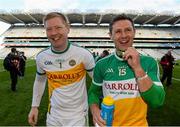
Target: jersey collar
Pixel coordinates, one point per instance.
(117, 57)
(60, 52)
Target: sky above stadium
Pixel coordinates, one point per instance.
(158, 6)
(140, 5)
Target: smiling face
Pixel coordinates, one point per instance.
(57, 33)
(122, 34)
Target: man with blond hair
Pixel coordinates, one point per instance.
(64, 65)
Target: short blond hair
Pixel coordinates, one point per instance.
(53, 15)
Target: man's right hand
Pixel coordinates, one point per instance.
(96, 115)
(33, 116)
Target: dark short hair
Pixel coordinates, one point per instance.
(53, 15)
(118, 18)
(13, 49)
(106, 52)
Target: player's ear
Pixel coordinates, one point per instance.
(68, 27)
(110, 35)
(134, 32)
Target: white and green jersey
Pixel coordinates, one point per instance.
(118, 81)
(66, 75)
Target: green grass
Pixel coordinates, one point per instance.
(169, 114)
(15, 106)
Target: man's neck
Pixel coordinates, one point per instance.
(61, 49)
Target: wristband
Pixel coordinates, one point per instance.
(141, 78)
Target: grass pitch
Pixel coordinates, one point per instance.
(15, 106)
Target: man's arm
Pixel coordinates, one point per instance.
(153, 93)
(38, 90)
(94, 94)
(33, 116)
(93, 100)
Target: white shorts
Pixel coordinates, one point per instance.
(78, 121)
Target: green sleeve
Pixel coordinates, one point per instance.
(155, 96)
(94, 94)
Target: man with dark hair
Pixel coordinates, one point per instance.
(167, 63)
(11, 64)
(102, 55)
(131, 79)
(22, 63)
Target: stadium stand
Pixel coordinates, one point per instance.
(151, 38)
